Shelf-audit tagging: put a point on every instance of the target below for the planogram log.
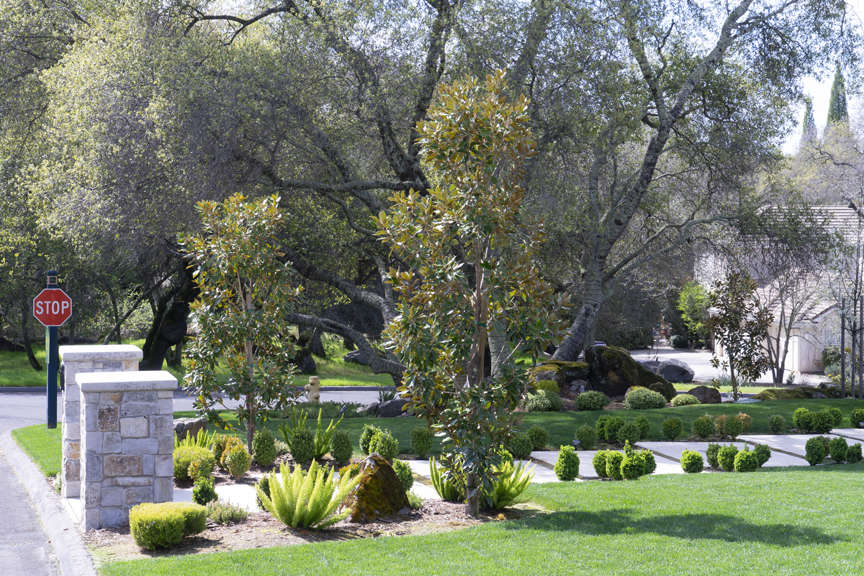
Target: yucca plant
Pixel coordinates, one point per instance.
(307, 499)
(323, 436)
(203, 439)
(509, 483)
(445, 485)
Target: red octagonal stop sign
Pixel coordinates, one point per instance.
(52, 307)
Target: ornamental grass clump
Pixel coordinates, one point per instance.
(307, 499)
(567, 464)
(508, 484)
(447, 484)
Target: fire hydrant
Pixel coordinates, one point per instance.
(313, 390)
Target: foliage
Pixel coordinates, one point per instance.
(726, 458)
(703, 427)
(369, 431)
(587, 437)
(384, 444)
(763, 454)
(302, 445)
(822, 421)
(225, 513)
(340, 447)
(693, 303)
(802, 418)
(446, 483)
(746, 422)
(264, 448)
(543, 401)
(684, 400)
(745, 461)
(220, 442)
(648, 461)
(415, 502)
(691, 462)
(567, 464)
(644, 426)
(403, 472)
(814, 450)
(733, 426)
(263, 484)
(323, 435)
(672, 428)
(836, 416)
(237, 461)
(613, 464)
(519, 445)
(679, 342)
(643, 399)
(838, 111)
(548, 385)
(164, 525)
(510, 482)
(591, 400)
(307, 499)
(475, 143)
(740, 326)
(539, 437)
(713, 455)
(837, 449)
(629, 432)
(853, 453)
(186, 455)
(204, 492)
(607, 427)
(777, 424)
(856, 417)
(203, 439)
(421, 441)
(599, 463)
(632, 466)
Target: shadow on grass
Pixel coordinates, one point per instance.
(686, 526)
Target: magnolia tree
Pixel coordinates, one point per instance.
(740, 325)
(245, 292)
(470, 281)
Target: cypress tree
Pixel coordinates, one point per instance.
(838, 110)
(808, 134)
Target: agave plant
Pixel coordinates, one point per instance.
(445, 484)
(510, 481)
(307, 499)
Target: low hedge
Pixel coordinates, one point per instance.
(164, 525)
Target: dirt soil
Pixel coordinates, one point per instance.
(261, 530)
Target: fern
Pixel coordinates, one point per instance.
(444, 483)
(203, 439)
(307, 499)
(323, 436)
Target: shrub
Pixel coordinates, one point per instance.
(237, 461)
(643, 399)
(691, 462)
(567, 465)
(225, 513)
(679, 341)
(610, 430)
(720, 424)
(814, 450)
(672, 428)
(777, 424)
(599, 463)
(853, 453)
(703, 427)
(836, 416)
(539, 437)
(712, 455)
(822, 422)
(726, 458)
(228, 443)
(202, 439)
(600, 426)
(664, 388)
(802, 419)
(613, 464)
(263, 484)
(302, 444)
(165, 524)
(264, 448)
(745, 461)
(323, 436)
(281, 447)
(421, 441)
(385, 444)
(648, 461)
(746, 422)
(184, 456)
(519, 445)
(587, 437)
(856, 417)
(204, 492)
(632, 466)
(548, 385)
(366, 437)
(307, 499)
(508, 484)
(837, 449)
(202, 465)
(644, 426)
(446, 483)
(733, 427)
(340, 447)
(763, 454)
(629, 432)
(543, 401)
(218, 444)
(684, 400)
(403, 471)
(593, 400)
(415, 502)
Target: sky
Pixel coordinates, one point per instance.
(820, 92)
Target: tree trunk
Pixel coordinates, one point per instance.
(25, 337)
(472, 490)
(580, 334)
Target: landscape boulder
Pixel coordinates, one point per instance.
(612, 371)
(189, 426)
(706, 394)
(379, 492)
(672, 370)
(391, 408)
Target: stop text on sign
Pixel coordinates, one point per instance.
(52, 307)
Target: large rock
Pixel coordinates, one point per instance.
(706, 394)
(612, 370)
(672, 370)
(189, 426)
(379, 492)
(391, 408)
(563, 372)
(356, 357)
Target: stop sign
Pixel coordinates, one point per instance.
(52, 307)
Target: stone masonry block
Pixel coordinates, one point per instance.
(149, 396)
(110, 397)
(148, 464)
(113, 496)
(107, 419)
(163, 490)
(165, 465)
(122, 465)
(89, 411)
(137, 409)
(112, 443)
(135, 427)
(114, 517)
(93, 467)
(166, 394)
(166, 445)
(162, 425)
(73, 450)
(139, 494)
(166, 406)
(140, 446)
(132, 481)
(92, 494)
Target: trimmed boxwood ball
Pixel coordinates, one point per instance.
(629, 432)
(856, 417)
(613, 464)
(837, 449)
(366, 435)
(802, 419)
(853, 453)
(763, 454)
(599, 463)
(543, 401)
(385, 444)
(726, 458)
(520, 445)
(777, 424)
(539, 437)
(836, 416)
(703, 427)
(632, 466)
(672, 428)
(814, 450)
(165, 524)
(204, 492)
(591, 400)
(745, 461)
(303, 446)
(684, 400)
(421, 441)
(822, 422)
(691, 462)
(649, 464)
(237, 460)
(185, 455)
(587, 437)
(403, 471)
(340, 447)
(643, 399)
(567, 465)
(712, 455)
(733, 427)
(611, 429)
(644, 426)
(264, 448)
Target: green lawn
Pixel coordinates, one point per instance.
(42, 445)
(780, 522)
(727, 389)
(15, 370)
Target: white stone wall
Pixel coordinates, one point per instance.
(127, 443)
(76, 359)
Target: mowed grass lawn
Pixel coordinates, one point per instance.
(779, 522)
(42, 445)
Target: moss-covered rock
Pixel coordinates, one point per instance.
(564, 372)
(612, 370)
(379, 492)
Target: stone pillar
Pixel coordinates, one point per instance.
(75, 359)
(127, 443)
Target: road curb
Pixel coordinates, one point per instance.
(69, 550)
